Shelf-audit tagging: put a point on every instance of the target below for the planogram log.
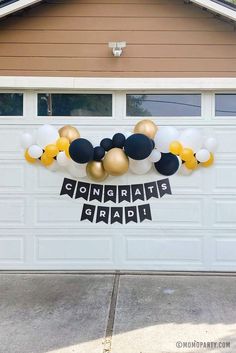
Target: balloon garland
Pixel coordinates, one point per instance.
(165, 148)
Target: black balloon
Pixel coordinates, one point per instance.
(118, 140)
(107, 144)
(81, 151)
(153, 143)
(168, 164)
(138, 146)
(99, 153)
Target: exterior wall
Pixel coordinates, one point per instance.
(70, 38)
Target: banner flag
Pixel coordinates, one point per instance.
(116, 215)
(124, 193)
(151, 190)
(137, 192)
(164, 187)
(131, 214)
(82, 190)
(103, 214)
(96, 192)
(110, 192)
(88, 212)
(68, 187)
(144, 212)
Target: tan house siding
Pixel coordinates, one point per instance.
(70, 38)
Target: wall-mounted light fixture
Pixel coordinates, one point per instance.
(117, 47)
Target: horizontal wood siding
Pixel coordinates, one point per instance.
(70, 38)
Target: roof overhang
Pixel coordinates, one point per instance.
(16, 6)
(217, 7)
(212, 5)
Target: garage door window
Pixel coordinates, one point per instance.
(163, 105)
(66, 104)
(225, 104)
(11, 104)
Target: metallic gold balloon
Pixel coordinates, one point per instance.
(146, 127)
(116, 162)
(70, 132)
(96, 171)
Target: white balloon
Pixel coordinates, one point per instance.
(47, 134)
(164, 136)
(211, 144)
(155, 156)
(185, 171)
(26, 140)
(191, 138)
(62, 159)
(35, 151)
(203, 155)
(77, 170)
(140, 167)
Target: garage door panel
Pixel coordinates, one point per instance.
(12, 177)
(224, 177)
(178, 249)
(188, 185)
(178, 212)
(226, 139)
(12, 211)
(225, 249)
(56, 212)
(10, 143)
(49, 182)
(73, 249)
(224, 211)
(11, 249)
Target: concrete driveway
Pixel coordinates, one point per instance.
(89, 313)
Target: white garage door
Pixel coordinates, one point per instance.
(194, 229)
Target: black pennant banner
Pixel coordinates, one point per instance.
(131, 214)
(82, 190)
(151, 190)
(124, 193)
(88, 212)
(103, 214)
(116, 215)
(137, 192)
(110, 193)
(68, 187)
(115, 194)
(164, 187)
(144, 212)
(96, 192)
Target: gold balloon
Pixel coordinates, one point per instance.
(70, 132)
(176, 147)
(46, 160)
(191, 163)
(62, 143)
(116, 162)
(187, 154)
(96, 171)
(146, 127)
(51, 150)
